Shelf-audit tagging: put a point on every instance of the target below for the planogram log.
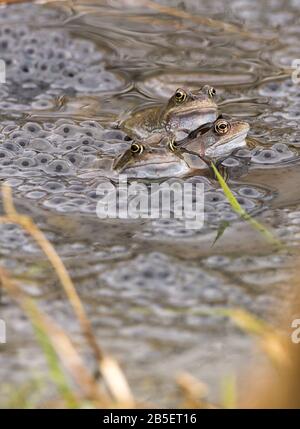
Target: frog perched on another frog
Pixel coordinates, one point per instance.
(210, 142)
(215, 141)
(184, 112)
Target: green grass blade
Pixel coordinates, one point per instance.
(222, 228)
(57, 375)
(228, 392)
(240, 211)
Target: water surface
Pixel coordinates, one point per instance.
(148, 286)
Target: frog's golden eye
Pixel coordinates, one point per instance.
(172, 146)
(222, 126)
(137, 148)
(211, 91)
(180, 95)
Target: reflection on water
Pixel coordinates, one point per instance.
(147, 285)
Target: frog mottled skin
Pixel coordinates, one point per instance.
(184, 112)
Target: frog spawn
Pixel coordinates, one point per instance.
(42, 162)
(289, 228)
(32, 150)
(42, 64)
(192, 294)
(145, 274)
(191, 285)
(238, 163)
(54, 165)
(217, 210)
(277, 153)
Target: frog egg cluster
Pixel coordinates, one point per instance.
(289, 228)
(60, 164)
(44, 63)
(44, 161)
(273, 89)
(188, 285)
(11, 237)
(279, 152)
(217, 211)
(280, 121)
(184, 285)
(29, 13)
(254, 273)
(284, 97)
(238, 163)
(294, 139)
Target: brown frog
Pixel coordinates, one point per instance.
(215, 141)
(184, 112)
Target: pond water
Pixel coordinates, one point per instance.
(149, 286)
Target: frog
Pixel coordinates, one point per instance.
(184, 112)
(151, 162)
(210, 142)
(215, 141)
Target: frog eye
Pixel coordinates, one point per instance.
(211, 91)
(222, 126)
(172, 146)
(137, 148)
(180, 95)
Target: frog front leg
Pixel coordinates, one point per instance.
(167, 139)
(170, 143)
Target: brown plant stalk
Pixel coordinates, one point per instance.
(108, 367)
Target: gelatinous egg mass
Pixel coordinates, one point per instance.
(44, 63)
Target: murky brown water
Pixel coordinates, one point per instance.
(147, 285)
